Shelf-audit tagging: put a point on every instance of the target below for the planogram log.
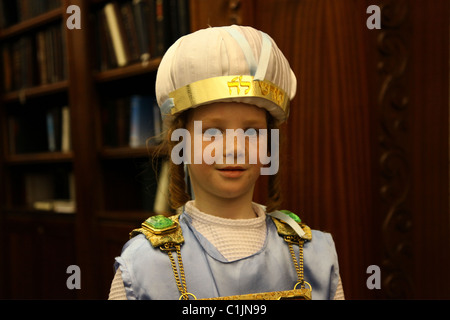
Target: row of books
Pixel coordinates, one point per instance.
(58, 129)
(138, 30)
(127, 122)
(34, 59)
(32, 131)
(50, 191)
(15, 11)
(130, 121)
(55, 190)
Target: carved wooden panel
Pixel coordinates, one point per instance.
(394, 156)
(413, 109)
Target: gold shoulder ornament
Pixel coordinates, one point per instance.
(161, 230)
(165, 233)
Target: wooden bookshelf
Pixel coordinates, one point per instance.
(110, 182)
(125, 215)
(31, 23)
(125, 152)
(41, 90)
(127, 71)
(44, 157)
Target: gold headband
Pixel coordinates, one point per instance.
(227, 87)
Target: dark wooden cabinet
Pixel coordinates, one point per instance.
(39, 249)
(112, 236)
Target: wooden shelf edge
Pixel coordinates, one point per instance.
(125, 215)
(127, 152)
(44, 157)
(22, 95)
(16, 212)
(31, 23)
(127, 71)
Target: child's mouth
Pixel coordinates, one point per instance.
(232, 172)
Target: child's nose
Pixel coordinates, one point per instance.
(235, 149)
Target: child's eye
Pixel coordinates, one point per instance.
(212, 132)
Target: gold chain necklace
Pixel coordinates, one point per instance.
(298, 265)
(302, 292)
(179, 276)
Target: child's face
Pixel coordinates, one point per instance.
(227, 180)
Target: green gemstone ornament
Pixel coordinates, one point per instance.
(292, 215)
(159, 222)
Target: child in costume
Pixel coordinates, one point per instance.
(221, 245)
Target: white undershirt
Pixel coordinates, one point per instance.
(233, 238)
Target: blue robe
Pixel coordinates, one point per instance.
(147, 272)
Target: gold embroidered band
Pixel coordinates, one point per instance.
(295, 294)
(226, 87)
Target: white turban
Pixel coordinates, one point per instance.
(234, 63)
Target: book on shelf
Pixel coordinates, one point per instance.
(38, 187)
(55, 205)
(138, 30)
(50, 191)
(66, 139)
(116, 33)
(161, 204)
(58, 129)
(131, 121)
(53, 134)
(142, 124)
(31, 131)
(34, 59)
(177, 16)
